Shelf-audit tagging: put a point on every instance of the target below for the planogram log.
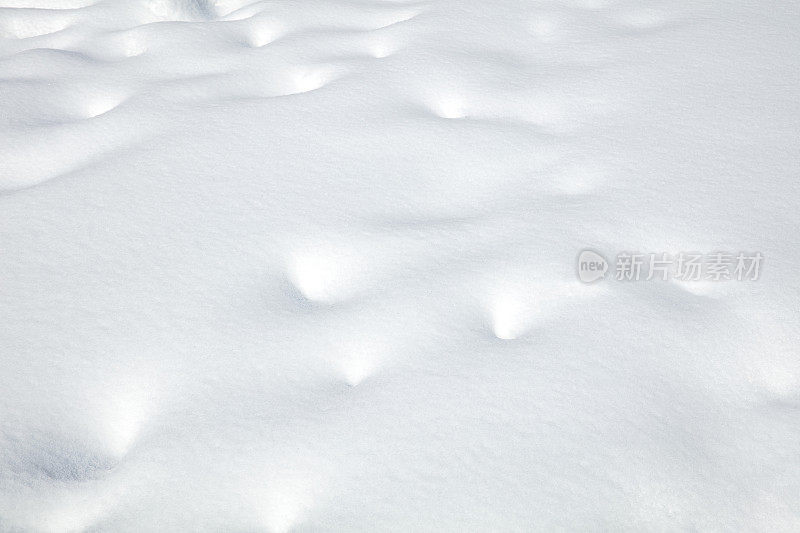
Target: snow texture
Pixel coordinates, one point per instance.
(310, 265)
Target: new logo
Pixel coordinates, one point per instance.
(591, 266)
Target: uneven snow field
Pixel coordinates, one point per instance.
(310, 265)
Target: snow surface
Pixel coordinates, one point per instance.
(310, 265)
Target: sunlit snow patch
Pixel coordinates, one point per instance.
(324, 273)
(545, 28)
(262, 34)
(130, 45)
(310, 78)
(381, 49)
(30, 23)
(101, 105)
(124, 411)
(396, 18)
(360, 359)
(511, 316)
(701, 287)
(517, 309)
(356, 368)
(450, 107)
(285, 504)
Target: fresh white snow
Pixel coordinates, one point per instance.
(311, 265)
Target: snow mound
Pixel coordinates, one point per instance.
(279, 266)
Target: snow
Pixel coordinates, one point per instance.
(300, 266)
